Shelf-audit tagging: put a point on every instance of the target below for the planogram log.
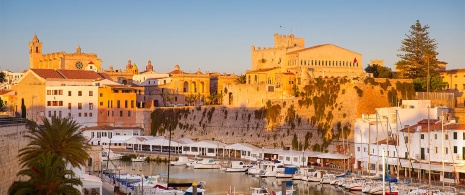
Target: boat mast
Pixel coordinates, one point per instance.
(397, 138)
(429, 153)
(368, 166)
(377, 146)
(442, 146)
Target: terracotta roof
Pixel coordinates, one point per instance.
(317, 46)
(390, 141)
(47, 73)
(261, 70)
(79, 74)
(91, 62)
(105, 76)
(176, 72)
(106, 127)
(434, 125)
(3, 92)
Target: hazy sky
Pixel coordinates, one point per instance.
(217, 35)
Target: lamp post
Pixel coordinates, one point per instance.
(119, 175)
(303, 158)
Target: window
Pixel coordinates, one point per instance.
(79, 106)
(79, 93)
(455, 135)
(447, 136)
(125, 104)
(101, 94)
(422, 136)
(120, 113)
(463, 136)
(117, 104)
(55, 103)
(358, 149)
(435, 136)
(49, 92)
(129, 113)
(406, 140)
(132, 106)
(69, 106)
(49, 113)
(69, 93)
(436, 150)
(101, 103)
(90, 114)
(91, 93)
(49, 103)
(175, 98)
(60, 103)
(85, 114)
(455, 149)
(79, 114)
(447, 150)
(91, 106)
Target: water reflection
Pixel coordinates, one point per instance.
(218, 182)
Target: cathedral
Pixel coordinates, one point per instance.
(61, 60)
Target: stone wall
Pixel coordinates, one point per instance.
(11, 140)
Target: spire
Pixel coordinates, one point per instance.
(35, 39)
(149, 66)
(78, 49)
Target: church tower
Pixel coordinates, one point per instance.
(35, 52)
(149, 66)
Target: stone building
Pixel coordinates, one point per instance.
(61, 60)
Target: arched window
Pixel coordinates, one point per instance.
(37, 49)
(256, 79)
(312, 62)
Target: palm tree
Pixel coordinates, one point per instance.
(46, 176)
(60, 136)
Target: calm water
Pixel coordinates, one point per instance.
(218, 182)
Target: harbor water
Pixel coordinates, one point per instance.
(219, 182)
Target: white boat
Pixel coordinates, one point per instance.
(264, 191)
(271, 170)
(302, 173)
(287, 172)
(109, 154)
(139, 158)
(182, 161)
(193, 162)
(151, 185)
(237, 166)
(327, 178)
(207, 163)
(316, 176)
(259, 169)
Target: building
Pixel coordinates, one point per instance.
(326, 60)
(8, 97)
(101, 135)
(11, 78)
(377, 62)
(46, 92)
(117, 105)
(61, 60)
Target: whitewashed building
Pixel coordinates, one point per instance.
(151, 78)
(11, 78)
(103, 135)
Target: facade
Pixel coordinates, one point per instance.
(455, 80)
(97, 134)
(9, 102)
(402, 134)
(78, 102)
(11, 78)
(34, 86)
(184, 84)
(117, 106)
(378, 62)
(61, 60)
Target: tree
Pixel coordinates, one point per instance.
(379, 71)
(23, 109)
(60, 136)
(419, 53)
(295, 143)
(1, 104)
(436, 84)
(189, 99)
(46, 175)
(2, 77)
(241, 79)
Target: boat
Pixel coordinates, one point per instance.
(139, 158)
(259, 169)
(182, 161)
(327, 178)
(193, 162)
(200, 189)
(302, 173)
(237, 166)
(264, 191)
(272, 169)
(316, 176)
(207, 163)
(109, 154)
(287, 172)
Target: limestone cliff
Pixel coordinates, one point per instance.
(317, 119)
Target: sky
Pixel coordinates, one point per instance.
(217, 36)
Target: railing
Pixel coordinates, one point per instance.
(4, 121)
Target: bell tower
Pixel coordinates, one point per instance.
(35, 52)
